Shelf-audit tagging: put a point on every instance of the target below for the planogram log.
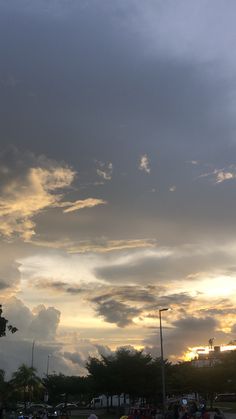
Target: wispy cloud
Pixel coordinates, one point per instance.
(101, 245)
(144, 164)
(105, 170)
(193, 162)
(80, 204)
(221, 175)
(29, 185)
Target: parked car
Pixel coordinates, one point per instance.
(66, 406)
(226, 397)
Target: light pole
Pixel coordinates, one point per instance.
(32, 354)
(163, 362)
(48, 364)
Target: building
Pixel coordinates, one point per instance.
(209, 356)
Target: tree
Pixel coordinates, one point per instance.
(129, 372)
(4, 326)
(25, 381)
(58, 384)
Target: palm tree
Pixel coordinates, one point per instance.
(25, 380)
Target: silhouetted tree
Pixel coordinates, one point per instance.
(4, 326)
(25, 381)
(129, 372)
(58, 384)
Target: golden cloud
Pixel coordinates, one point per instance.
(25, 196)
(80, 204)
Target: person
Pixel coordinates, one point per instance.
(183, 413)
(92, 416)
(218, 414)
(205, 414)
(44, 415)
(159, 414)
(176, 411)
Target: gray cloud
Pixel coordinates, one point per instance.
(233, 329)
(75, 358)
(44, 324)
(218, 311)
(9, 270)
(114, 311)
(187, 332)
(3, 285)
(104, 350)
(177, 265)
(60, 286)
(182, 90)
(40, 324)
(134, 294)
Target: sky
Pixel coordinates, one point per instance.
(117, 178)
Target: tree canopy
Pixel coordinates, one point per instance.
(4, 326)
(128, 372)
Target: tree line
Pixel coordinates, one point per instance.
(129, 372)
(126, 372)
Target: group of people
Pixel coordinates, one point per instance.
(192, 411)
(176, 411)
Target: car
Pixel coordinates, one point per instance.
(40, 406)
(226, 397)
(66, 406)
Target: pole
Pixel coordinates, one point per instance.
(163, 363)
(32, 354)
(48, 365)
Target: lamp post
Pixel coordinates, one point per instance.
(48, 364)
(32, 354)
(162, 362)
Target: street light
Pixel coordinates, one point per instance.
(162, 362)
(48, 364)
(32, 354)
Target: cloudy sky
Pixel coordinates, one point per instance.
(118, 177)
